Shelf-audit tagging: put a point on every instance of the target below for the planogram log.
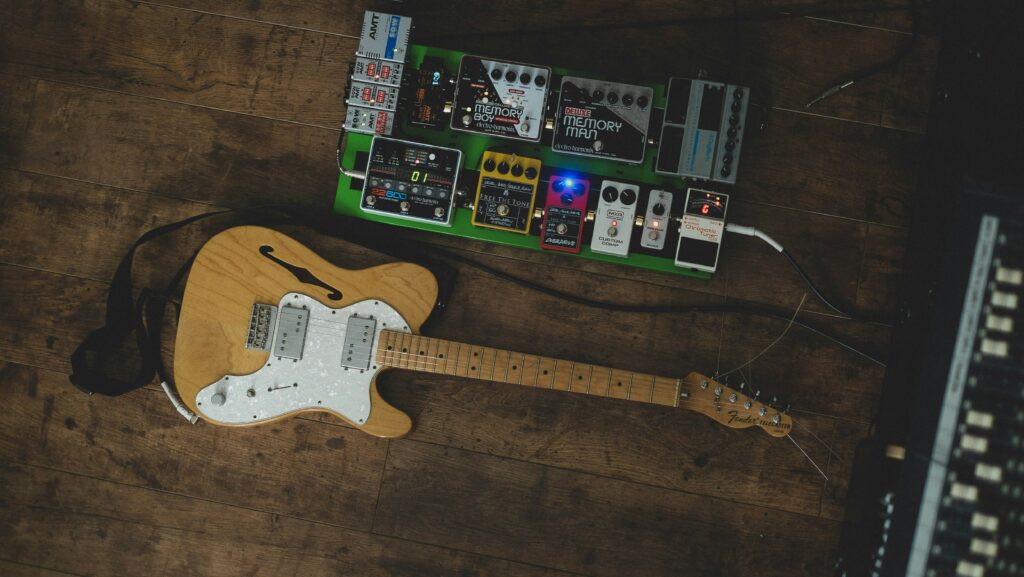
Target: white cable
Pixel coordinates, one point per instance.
(180, 406)
(751, 231)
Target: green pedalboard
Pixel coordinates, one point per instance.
(473, 147)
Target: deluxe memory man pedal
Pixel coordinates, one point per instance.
(700, 234)
(505, 193)
(602, 119)
(564, 214)
(411, 180)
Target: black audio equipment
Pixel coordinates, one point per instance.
(411, 180)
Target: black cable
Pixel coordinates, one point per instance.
(821, 296)
(661, 309)
(874, 69)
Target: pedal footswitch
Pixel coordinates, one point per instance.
(411, 180)
(700, 234)
(613, 223)
(506, 191)
(659, 207)
(564, 214)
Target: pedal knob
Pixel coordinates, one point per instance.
(558, 185)
(489, 164)
(562, 228)
(502, 210)
(658, 209)
(218, 399)
(628, 196)
(503, 167)
(517, 170)
(567, 198)
(495, 74)
(404, 205)
(531, 173)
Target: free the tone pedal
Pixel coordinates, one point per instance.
(659, 206)
(410, 180)
(703, 130)
(564, 214)
(500, 98)
(700, 234)
(613, 223)
(506, 191)
(602, 119)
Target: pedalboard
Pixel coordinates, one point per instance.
(703, 130)
(564, 214)
(613, 220)
(411, 180)
(656, 221)
(499, 98)
(538, 157)
(602, 119)
(701, 230)
(505, 192)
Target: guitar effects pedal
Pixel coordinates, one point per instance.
(506, 191)
(700, 234)
(613, 223)
(498, 98)
(411, 180)
(564, 214)
(602, 119)
(659, 207)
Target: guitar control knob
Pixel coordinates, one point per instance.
(610, 194)
(218, 399)
(658, 209)
(517, 170)
(531, 173)
(510, 76)
(496, 74)
(628, 196)
(502, 210)
(404, 205)
(439, 211)
(503, 167)
(524, 78)
(562, 228)
(250, 393)
(489, 165)
(613, 231)
(540, 81)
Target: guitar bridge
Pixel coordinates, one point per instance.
(261, 325)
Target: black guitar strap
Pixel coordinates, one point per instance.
(103, 363)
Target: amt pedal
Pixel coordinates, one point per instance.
(564, 214)
(613, 223)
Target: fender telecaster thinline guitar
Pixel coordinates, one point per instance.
(269, 329)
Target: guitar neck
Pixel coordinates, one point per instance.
(444, 357)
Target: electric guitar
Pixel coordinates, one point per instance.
(268, 329)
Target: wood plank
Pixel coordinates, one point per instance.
(191, 57)
(176, 150)
(578, 522)
(15, 111)
(301, 468)
(12, 569)
(71, 522)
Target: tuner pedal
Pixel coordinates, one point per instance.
(700, 234)
(613, 222)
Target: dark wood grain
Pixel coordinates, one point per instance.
(13, 569)
(73, 522)
(201, 59)
(580, 523)
(305, 469)
(15, 111)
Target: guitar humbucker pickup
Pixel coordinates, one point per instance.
(291, 332)
(356, 351)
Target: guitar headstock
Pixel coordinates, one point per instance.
(731, 407)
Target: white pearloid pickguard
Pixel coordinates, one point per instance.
(316, 381)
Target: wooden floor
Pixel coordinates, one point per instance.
(116, 116)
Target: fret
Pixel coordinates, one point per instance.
(554, 374)
(431, 354)
(447, 356)
(653, 380)
(474, 361)
(608, 387)
(506, 362)
(536, 374)
(590, 382)
(629, 391)
(458, 360)
(675, 397)
(522, 368)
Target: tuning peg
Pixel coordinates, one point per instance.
(787, 408)
(742, 386)
(757, 394)
(772, 402)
